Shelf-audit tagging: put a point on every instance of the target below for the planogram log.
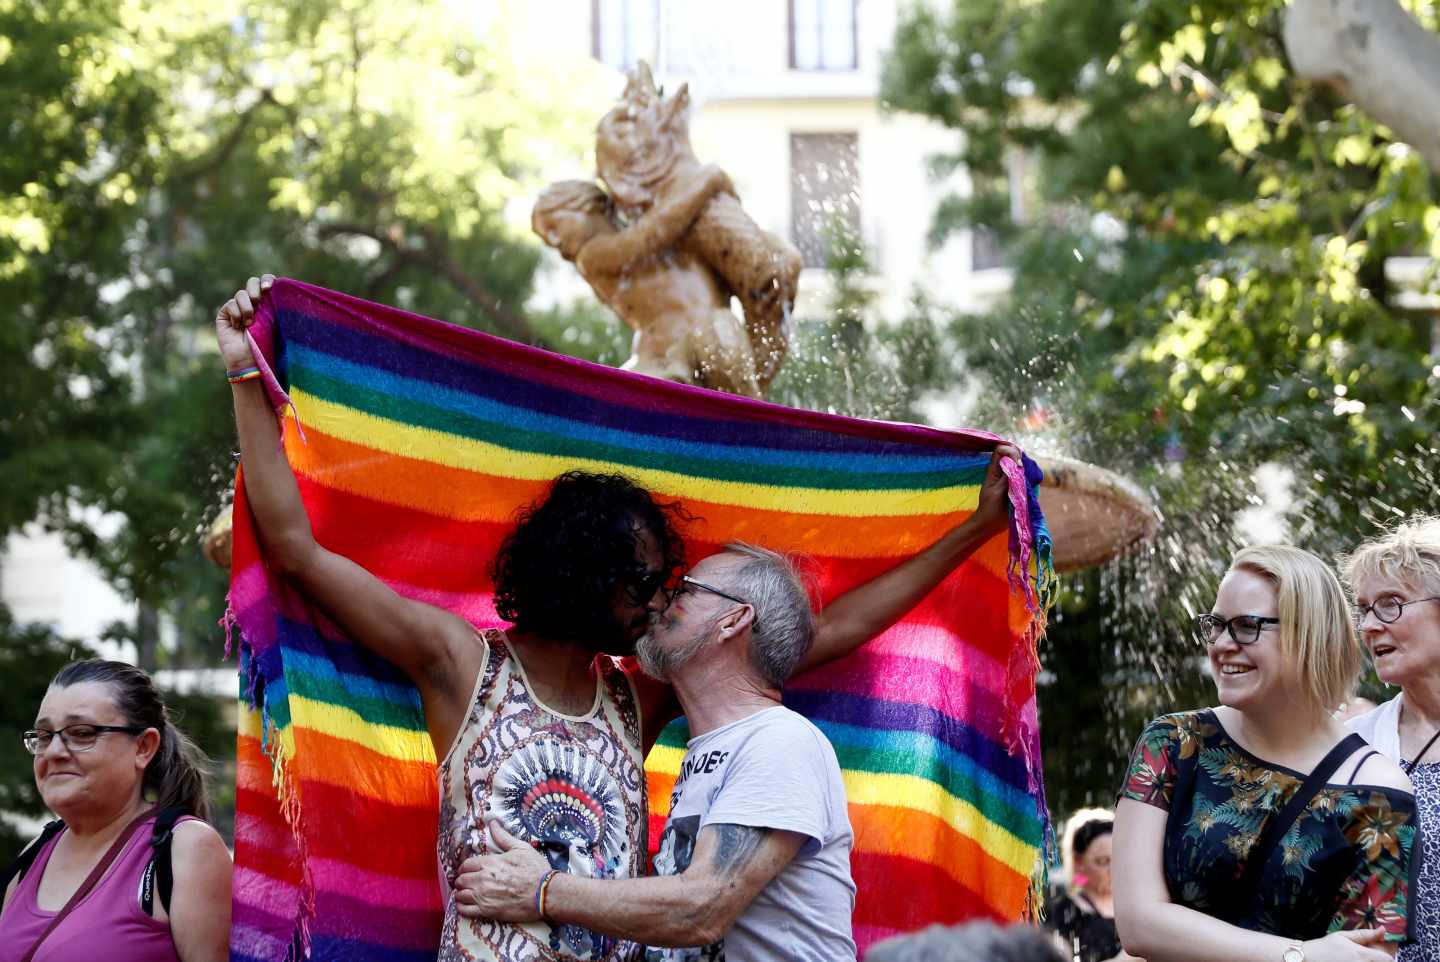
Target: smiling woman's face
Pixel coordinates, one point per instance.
(104, 778)
(1406, 651)
(1248, 676)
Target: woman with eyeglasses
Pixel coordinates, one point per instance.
(1259, 830)
(1396, 583)
(106, 883)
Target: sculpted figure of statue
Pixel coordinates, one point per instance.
(678, 306)
(668, 247)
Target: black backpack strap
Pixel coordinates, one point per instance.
(26, 858)
(158, 877)
(1247, 889)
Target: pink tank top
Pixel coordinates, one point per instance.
(107, 924)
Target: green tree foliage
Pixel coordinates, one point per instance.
(158, 153)
(1198, 290)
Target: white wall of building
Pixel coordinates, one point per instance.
(746, 103)
(40, 581)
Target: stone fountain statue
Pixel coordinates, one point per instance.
(668, 247)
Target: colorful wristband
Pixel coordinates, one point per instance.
(540, 891)
(243, 374)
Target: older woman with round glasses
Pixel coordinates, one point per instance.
(111, 764)
(1395, 579)
(1257, 831)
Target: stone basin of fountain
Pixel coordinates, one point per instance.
(1094, 515)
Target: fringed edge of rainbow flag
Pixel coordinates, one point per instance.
(261, 337)
(1031, 571)
(287, 796)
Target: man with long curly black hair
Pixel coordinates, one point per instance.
(543, 727)
(555, 575)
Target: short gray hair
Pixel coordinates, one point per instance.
(784, 627)
(1408, 553)
(977, 940)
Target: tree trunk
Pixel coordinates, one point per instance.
(1378, 57)
(147, 636)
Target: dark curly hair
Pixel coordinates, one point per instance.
(1088, 832)
(556, 573)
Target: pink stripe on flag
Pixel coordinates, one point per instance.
(385, 891)
(942, 647)
(265, 893)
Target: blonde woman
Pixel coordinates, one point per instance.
(1259, 830)
(1396, 582)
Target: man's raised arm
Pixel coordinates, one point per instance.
(425, 642)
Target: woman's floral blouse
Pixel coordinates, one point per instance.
(1344, 863)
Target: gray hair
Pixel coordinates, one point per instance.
(1408, 553)
(978, 940)
(784, 626)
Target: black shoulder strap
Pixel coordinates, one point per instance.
(26, 858)
(158, 876)
(1354, 772)
(1246, 890)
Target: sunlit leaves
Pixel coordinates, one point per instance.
(157, 152)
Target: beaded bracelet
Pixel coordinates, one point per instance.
(243, 374)
(540, 890)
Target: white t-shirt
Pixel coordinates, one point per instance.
(772, 769)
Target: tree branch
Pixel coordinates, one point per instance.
(232, 140)
(398, 263)
(433, 255)
(1375, 55)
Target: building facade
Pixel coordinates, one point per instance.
(786, 98)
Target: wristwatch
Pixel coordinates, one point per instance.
(1293, 954)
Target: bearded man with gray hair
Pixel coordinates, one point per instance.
(754, 861)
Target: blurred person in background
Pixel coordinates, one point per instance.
(132, 871)
(977, 941)
(1083, 916)
(1395, 579)
(1260, 830)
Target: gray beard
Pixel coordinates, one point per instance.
(661, 664)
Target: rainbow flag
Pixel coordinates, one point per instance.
(415, 442)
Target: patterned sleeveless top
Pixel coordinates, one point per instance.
(1425, 909)
(574, 784)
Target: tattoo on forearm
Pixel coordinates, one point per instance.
(734, 845)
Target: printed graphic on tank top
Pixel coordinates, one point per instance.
(574, 784)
